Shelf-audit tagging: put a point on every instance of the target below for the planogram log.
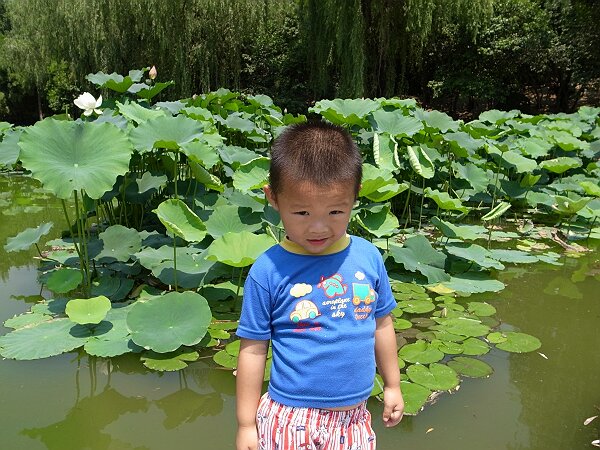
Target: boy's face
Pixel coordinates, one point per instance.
(315, 217)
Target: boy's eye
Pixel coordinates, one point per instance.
(301, 213)
(333, 213)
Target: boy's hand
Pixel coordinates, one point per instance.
(247, 438)
(393, 406)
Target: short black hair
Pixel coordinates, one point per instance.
(317, 152)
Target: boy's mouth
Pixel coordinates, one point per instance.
(317, 241)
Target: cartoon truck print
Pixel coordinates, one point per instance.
(305, 309)
(362, 293)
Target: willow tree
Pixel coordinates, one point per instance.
(366, 47)
(197, 43)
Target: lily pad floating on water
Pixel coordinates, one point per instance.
(51, 338)
(88, 310)
(165, 323)
(415, 396)
(27, 237)
(172, 361)
(438, 377)
(518, 342)
(420, 352)
(470, 367)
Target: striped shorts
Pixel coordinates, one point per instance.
(283, 427)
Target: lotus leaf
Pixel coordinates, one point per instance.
(252, 175)
(192, 267)
(202, 153)
(105, 348)
(561, 164)
(71, 156)
(379, 185)
(475, 347)
(231, 219)
(415, 396)
(470, 367)
(481, 309)
(475, 176)
(114, 81)
(416, 306)
(64, 280)
(568, 206)
(567, 141)
(180, 220)
(465, 327)
(474, 253)
(518, 342)
(402, 324)
(420, 352)
(454, 231)
(513, 256)
(165, 132)
(420, 162)
(137, 113)
(438, 377)
(26, 320)
(236, 122)
(120, 243)
(27, 237)
(146, 92)
(417, 254)
(590, 188)
(395, 123)
(520, 163)
(444, 201)
(378, 220)
(54, 306)
(225, 359)
(437, 120)
(462, 144)
(497, 117)
(448, 347)
(172, 361)
(88, 310)
(51, 338)
(149, 181)
(9, 148)
(165, 323)
(345, 111)
(472, 283)
(496, 211)
(239, 249)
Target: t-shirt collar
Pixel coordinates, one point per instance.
(336, 247)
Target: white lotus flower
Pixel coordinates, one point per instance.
(88, 103)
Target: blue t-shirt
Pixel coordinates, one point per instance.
(319, 312)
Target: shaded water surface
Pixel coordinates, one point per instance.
(532, 401)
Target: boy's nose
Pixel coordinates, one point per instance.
(317, 226)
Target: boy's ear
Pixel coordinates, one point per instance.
(270, 196)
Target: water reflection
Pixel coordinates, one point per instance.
(87, 423)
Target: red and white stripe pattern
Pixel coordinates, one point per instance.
(283, 427)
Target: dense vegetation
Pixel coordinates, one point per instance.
(169, 213)
(457, 56)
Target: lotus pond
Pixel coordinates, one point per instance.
(144, 217)
(75, 401)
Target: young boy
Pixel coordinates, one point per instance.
(323, 299)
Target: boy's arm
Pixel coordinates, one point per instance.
(386, 356)
(249, 381)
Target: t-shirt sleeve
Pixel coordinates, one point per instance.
(255, 320)
(385, 299)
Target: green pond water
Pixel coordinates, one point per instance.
(530, 402)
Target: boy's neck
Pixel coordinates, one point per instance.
(336, 247)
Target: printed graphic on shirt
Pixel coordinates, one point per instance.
(362, 293)
(304, 310)
(359, 275)
(333, 285)
(300, 290)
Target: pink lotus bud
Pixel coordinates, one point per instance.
(152, 74)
